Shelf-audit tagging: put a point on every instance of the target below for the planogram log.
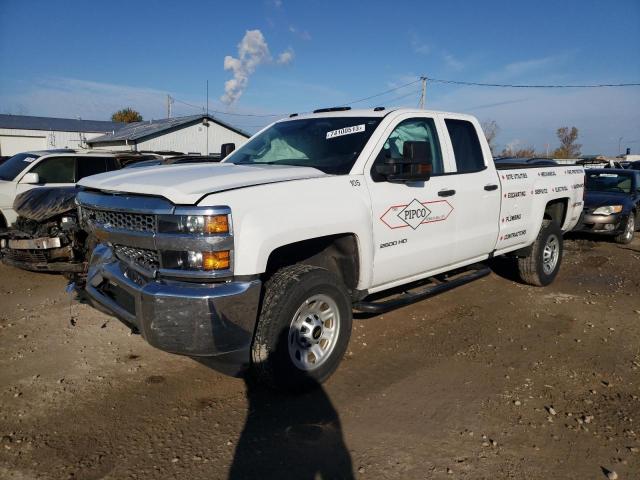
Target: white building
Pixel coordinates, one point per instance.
(202, 134)
(21, 133)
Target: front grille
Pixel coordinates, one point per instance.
(136, 222)
(27, 256)
(146, 259)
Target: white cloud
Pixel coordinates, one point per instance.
(418, 45)
(452, 62)
(285, 57)
(72, 98)
(302, 34)
(252, 52)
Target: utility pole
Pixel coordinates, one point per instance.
(206, 129)
(423, 97)
(169, 102)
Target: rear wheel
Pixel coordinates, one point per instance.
(304, 328)
(630, 228)
(542, 264)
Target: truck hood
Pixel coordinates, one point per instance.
(186, 184)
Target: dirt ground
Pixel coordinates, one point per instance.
(492, 380)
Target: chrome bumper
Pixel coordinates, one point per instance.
(178, 317)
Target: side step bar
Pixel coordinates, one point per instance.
(407, 297)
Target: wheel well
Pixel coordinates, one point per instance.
(556, 210)
(336, 253)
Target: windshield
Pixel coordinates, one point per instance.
(609, 182)
(330, 144)
(16, 164)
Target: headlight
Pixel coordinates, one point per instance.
(205, 261)
(608, 210)
(195, 224)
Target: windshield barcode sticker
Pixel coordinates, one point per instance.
(29, 159)
(345, 131)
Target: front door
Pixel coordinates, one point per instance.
(413, 223)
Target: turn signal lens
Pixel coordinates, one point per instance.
(216, 224)
(216, 260)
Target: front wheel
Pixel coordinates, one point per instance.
(542, 264)
(304, 328)
(630, 227)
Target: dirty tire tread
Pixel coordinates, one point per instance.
(277, 288)
(529, 267)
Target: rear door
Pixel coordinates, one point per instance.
(413, 225)
(477, 191)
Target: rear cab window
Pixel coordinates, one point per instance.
(466, 145)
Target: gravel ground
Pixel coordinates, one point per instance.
(492, 380)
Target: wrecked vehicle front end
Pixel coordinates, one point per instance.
(46, 236)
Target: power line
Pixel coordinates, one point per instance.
(379, 94)
(508, 85)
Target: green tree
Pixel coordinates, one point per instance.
(568, 146)
(126, 115)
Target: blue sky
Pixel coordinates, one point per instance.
(87, 59)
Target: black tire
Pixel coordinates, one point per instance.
(286, 292)
(630, 227)
(531, 268)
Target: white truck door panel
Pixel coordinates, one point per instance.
(413, 226)
(477, 191)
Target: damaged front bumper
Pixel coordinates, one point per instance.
(194, 319)
(44, 254)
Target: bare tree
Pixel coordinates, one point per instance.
(568, 146)
(491, 130)
(520, 152)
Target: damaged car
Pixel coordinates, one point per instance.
(45, 236)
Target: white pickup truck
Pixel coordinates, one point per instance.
(261, 259)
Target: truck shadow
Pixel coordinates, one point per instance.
(287, 435)
(290, 436)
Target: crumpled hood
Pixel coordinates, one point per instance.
(186, 184)
(43, 203)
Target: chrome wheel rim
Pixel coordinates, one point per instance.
(313, 332)
(550, 254)
(631, 226)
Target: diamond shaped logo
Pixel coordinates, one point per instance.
(414, 214)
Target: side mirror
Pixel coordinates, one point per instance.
(30, 178)
(415, 165)
(226, 149)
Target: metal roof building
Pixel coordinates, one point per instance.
(20, 133)
(201, 134)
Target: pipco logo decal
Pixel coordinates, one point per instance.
(416, 213)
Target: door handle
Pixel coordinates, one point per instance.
(446, 193)
(490, 187)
